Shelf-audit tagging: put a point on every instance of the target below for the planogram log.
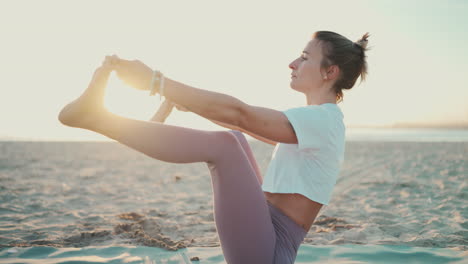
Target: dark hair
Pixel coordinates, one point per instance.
(349, 56)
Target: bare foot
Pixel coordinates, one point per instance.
(86, 110)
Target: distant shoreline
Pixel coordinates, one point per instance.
(392, 126)
(412, 125)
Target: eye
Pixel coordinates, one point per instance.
(303, 57)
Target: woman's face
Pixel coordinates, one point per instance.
(306, 74)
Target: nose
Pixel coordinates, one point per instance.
(292, 65)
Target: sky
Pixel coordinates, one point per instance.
(49, 50)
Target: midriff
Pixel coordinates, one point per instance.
(296, 206)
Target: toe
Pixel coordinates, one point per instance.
(101, 75)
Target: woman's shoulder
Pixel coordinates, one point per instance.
(333, 108)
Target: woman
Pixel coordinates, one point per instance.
(258, 219)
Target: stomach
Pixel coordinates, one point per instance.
(296, 206)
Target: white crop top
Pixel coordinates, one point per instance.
(310, 167)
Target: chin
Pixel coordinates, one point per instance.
(295, 88)
(292, 85)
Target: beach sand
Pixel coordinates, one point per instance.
(79, 194)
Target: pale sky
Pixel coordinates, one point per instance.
(49, 50)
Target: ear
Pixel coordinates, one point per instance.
(333, 72)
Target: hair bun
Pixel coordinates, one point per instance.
(363, 41)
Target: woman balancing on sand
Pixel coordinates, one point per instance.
(258, 219)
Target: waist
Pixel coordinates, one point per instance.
(299, 208)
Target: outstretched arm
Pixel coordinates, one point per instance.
(210, 105)
(266, 123)
(166, 108)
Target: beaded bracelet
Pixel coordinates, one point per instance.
(154, 77)
(161, 87)
(157, 76)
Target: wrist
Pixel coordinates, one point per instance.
(155, 82)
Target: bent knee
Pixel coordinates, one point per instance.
(238, 134)
(226, 143)
(228, 138)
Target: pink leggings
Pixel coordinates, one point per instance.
(242, 214)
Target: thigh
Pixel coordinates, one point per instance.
(241, 212)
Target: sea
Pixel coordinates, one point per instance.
(401, 197)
